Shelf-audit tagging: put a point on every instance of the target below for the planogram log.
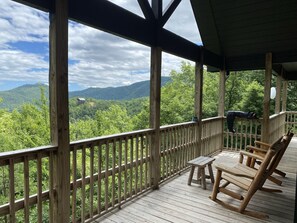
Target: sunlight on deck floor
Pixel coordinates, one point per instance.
(175, 201)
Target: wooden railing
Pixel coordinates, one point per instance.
(27, 185)
(246, 132)
(211, 137)
(108, 171)
(179, 144)
(277, 125)
(291, 121)
(249, 130)
(111, 170)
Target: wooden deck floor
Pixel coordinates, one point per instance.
(175, 201)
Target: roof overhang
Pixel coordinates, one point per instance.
(244, 31)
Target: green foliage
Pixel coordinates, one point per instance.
(292, 96)
(210, 95)
(252, 99)
(114, 120)
(177, 101)
(235, 85)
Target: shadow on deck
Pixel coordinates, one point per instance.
(175, 201)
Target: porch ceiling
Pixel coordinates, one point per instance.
(243, 31)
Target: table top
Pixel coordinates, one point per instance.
(201, 161)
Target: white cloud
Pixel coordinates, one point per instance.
(96, 58)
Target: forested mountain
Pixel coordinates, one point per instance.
(31, 93)
(136, 90)
(28, 93)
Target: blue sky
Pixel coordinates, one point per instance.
(96, 59)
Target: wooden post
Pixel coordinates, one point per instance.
(221, 107)
(266, 102)
(278, 94)
(155, 97)
(59, 113)
(198, 103)
(284, 96)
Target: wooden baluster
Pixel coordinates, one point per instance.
(113, 172)
(11, 192)
(106, 174)
(27, 190)
(146, 175)
(136, 163)
(39, 188)
(126, 169)
(99, 177)
(131, 167)
(141, 161)
(120, 172)
(74, 173)
(51, 187)
(83, 185)
(91, 180)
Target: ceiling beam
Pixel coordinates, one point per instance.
(146, 9)
(157, 6)
(169, 11)
(43, 5)
(111, 18)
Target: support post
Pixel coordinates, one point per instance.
(155, 97)
(221, 107)
(278, 94)
(266, 103)
(284, 96)
(198, 103)
(59, 113)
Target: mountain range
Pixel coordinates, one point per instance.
(30, 93)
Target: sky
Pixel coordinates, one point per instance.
(96, 58)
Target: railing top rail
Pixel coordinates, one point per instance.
(212, 119)
(291, 112)
(176, 125)
(26, 152)
(109, 137)
(276, 115)
(189, 123)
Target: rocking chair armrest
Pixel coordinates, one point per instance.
(262, 144)
(251, 155)
(256, 149)
(231, 170)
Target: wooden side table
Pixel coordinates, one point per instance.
(201, 163)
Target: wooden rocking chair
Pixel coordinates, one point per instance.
(261, 149)
(246, 178)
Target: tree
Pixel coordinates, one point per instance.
(252, 98)
(210, 95)
(235, 85)
(83, 129)
(177, 97)
(292, 96)
(113, 120)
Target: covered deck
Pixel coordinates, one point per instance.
(90, 179)
(175, 201)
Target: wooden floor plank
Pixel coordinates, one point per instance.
(175, 201)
